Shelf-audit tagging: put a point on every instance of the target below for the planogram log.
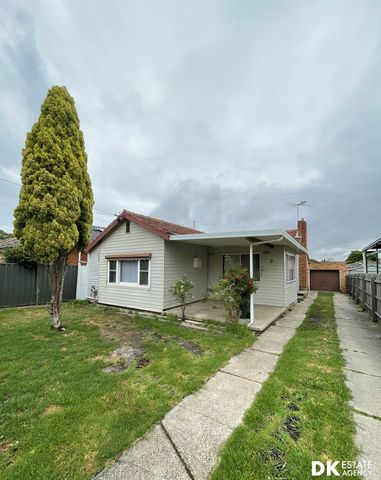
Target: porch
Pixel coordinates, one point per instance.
(265, 315)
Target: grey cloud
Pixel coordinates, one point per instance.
(219, 112)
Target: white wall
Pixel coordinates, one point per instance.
(138, 240)
(93, 273)
(82, 282)
(271, 290)
(178, 261)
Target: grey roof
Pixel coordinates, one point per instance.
(9, 242)
(373, 246)
(95, 231)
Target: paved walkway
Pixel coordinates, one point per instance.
(186, 444)
(360, 340)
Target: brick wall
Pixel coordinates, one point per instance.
(341, 266)
(304, 283)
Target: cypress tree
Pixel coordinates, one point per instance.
(54, 214)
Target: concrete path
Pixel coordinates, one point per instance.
(186, 444)
(360, 340)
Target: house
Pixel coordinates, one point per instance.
(359, 267)
(328, 276)
(74, 256)
(372, 249)
(7, 243)
(133, 262)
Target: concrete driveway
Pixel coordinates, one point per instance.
(360, 339)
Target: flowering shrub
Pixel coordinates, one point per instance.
(232, 289)
(181, 290)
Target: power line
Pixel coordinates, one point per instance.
(10, 181)
(102, 212)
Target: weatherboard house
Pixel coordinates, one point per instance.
(133, 262)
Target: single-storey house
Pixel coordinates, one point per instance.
(133, 262)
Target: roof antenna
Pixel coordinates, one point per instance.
(194, 224)
(302, 203)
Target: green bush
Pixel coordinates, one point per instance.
(18, 255)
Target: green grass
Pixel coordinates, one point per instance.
(61, 417)
(301, 413)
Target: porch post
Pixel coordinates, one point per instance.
(252, 277)
(364, 262)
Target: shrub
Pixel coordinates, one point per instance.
(234, 288)
(181, 289)
(18, 255)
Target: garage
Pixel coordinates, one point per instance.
(326, 280)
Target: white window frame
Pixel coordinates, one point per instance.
(116, 272)
(129, 284)
(287, 269)
(245, 253)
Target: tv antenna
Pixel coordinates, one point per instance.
(297, 205)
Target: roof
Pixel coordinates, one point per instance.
(9, 242)
(243, 238)
(156, 226)
(293, 232)
(95, 231)
(373, 246)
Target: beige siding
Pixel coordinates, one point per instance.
(93, 272)
(291, 288)
(178, 261)
(137, 241)
(271, 290)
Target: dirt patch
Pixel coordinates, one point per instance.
(275, 456)
(127, 353)
(292, 426)
(52, 409)
(125, 356)
(315, 320)
(293, 407)
(115, 368)
(192, 347)
(142, 362)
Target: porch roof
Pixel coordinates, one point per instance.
(244, 238)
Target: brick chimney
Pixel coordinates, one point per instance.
(303, 257)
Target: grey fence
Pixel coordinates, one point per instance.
(366, 289)
(30, 286)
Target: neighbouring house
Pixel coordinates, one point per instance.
(133, 262)
(74, 257)
(370, 250)
(328, 276)
(7, 243)
(359, 267)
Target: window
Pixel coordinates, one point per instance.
(129, 272)
(143, 272)
(112, 271)
(244, 260)
(128, 226)
(290, 265)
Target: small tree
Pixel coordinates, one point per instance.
(54, 214)
(181, 289)
(232, 289)
(356, 256)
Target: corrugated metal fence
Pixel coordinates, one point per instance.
(366, 289)
(28, 286)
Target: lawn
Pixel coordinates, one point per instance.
(301, 413)
(62, 416)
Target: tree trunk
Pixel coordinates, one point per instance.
(56, 276)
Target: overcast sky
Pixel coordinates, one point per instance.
(218, 112)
